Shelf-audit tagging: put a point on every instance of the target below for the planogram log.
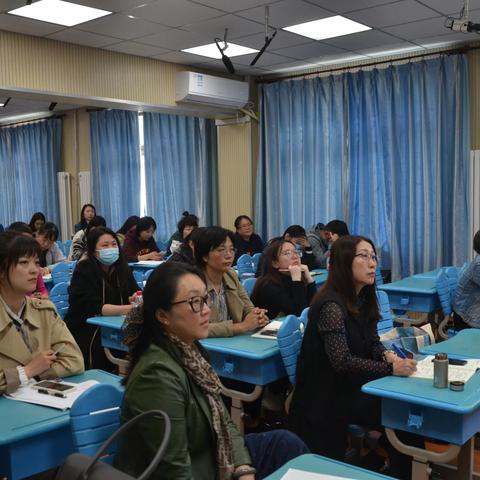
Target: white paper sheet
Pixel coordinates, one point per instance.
(294, 474)
(30, 395)
(269, 331)
(149, 263)
(459, 373)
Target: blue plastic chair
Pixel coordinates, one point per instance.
(59, 296)
(245, 266)
(248, 285)
(289, 338)
(67, 246)
(255, 259)
(61, 272)
(139, 278)
(385, 324)
(378, 276)
(147, 274)
(304, 315)
(446, 285)
(94, 416)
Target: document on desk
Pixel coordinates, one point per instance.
(30, 395)
(269, 331)
(149, 263)
(295, 474)
(456, 373)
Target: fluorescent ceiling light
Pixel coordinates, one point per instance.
(59, 12)
(212, 51)
(327, 28)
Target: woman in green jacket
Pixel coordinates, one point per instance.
(169, 371)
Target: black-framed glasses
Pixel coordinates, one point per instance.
(197, 303)
(225, 251)
(367, 256)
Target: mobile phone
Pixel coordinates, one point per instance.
(455, 361)
(53, 387)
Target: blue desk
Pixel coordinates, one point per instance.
(431, 274)
(465, 344)
(415, 293)
(146, 264)
(34, 438)
(320, 276)
(317, 464)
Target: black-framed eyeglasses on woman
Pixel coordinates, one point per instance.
(197, 303)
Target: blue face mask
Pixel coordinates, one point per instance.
(108, 256)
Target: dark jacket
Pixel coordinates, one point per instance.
(251, 246)
(324, 392)
(89, 290)
(133, 247)
(283, 298)
(160, 381)
(184, 255)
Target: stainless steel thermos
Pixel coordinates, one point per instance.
(440, 370)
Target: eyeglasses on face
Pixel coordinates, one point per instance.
(197, 303)
(225, 251)
(367, 256)
(291, 253)
(245, 225)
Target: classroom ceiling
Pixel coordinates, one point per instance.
(161, 28)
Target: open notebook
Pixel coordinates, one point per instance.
(461, 373)
(269, 331)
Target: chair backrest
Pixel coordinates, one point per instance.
(139, 278)
(385, 324)
(255, 259)
(453, 275)
(289, 338)
(248, 284)
(59, 296)
(244, 265)
(444, 294)
(61, 272)
(94, 416)
(378, 276)
(147, 274)
(304, 315)
(61, 246)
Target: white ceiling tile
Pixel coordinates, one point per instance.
(133, 48)
(113, 5)
(7, 5)
(342, 6)
(423, 28)
(13, 23)
(282, 39)
(264, 61)
(174, 13)
(370, 38)
(236, 27)
(309, 50)
(72, 35)
(392, 14)
(450, 7)
(181, 57)
(286, 13)
(176, 39)
(122, 27)
(233, 5)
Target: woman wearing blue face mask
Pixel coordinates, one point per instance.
(102, 284)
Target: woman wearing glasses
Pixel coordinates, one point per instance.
(232, 311)
(286, 287)
(340, 352)
(169, 371)
(245, 239)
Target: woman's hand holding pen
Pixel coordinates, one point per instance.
(404, 367)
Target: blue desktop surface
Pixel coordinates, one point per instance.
(465, 344)
(320, 276)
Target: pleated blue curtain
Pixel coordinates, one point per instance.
(405, 175)
(180, 169)
(115, 150)
(29, 160)
(302, 154)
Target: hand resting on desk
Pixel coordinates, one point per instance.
(404, 367)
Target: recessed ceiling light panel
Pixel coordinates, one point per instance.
(212, 51)
(59, 12)
(330, 27)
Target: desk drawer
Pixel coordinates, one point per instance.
(112, 338)
(416, 302)
(257, 372)
(430, 422)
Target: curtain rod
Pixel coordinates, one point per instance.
(25, 122)
(462, 49)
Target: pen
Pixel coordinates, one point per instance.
(398, 351)
(56, 394)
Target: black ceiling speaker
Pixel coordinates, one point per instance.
(268, 38)
(226, 61)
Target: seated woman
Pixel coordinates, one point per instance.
(130, 224)
(102, 284)
(185, 227)
(41, 290)
(37, 220)
(286, 286)
(232, 311)
(340, 352)
(140, 244)
(185, 254)
(78, 248)
(169, 371)
(50, 252)
(245, 239)
(466, 302)
(87, 213)
(34, 340)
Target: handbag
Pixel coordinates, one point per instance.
(82, 467)
(412, 339)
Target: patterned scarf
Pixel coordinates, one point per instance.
(206, 378)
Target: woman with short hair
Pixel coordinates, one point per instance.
(139, 243)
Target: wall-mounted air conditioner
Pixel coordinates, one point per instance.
(209, 90)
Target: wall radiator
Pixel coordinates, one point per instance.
(65, 204)
(84, 185)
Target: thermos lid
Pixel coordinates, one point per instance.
(457, 386)
(441, 356)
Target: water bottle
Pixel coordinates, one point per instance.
(440, 370)
(137, 298)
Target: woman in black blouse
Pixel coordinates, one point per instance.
(340, 352)
(286, 287)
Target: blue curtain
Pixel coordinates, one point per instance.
(180, 169)
(29, 159)
(302, 154)
(405, 176)
(115, 150)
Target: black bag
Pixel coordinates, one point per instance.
(82, 467)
